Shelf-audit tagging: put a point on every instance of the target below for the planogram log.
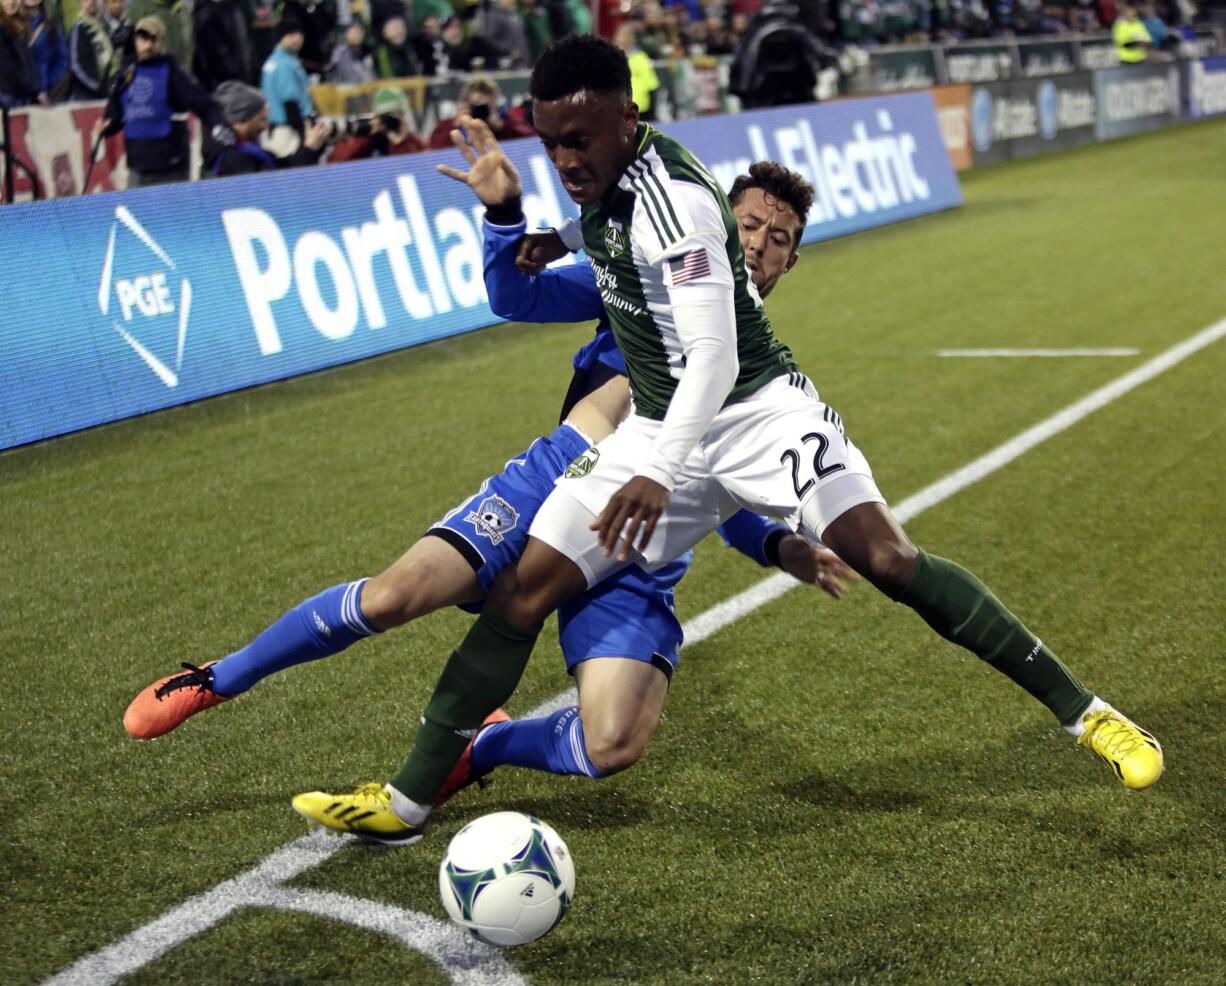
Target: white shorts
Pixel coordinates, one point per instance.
(780, 452)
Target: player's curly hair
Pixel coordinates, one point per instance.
(578, 62)
(777, 182)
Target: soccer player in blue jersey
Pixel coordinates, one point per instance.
(723, 419)
(620, 639)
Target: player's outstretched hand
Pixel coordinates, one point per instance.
(815, 566)
(632, 511)
(490, 174)
(538, 250)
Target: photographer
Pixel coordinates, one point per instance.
(144, 104)
(234, 148)
(387, 132)
(481, 98)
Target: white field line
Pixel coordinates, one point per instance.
(1038, 352)
(465, 963)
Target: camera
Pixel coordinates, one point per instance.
(358, 125)
(344, 126)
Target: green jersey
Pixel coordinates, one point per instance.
(667, 223)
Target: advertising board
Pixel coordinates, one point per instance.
(1025, 117)
(1206, 87)
(1134, 98)
(125, 302)
(954, 113)
(979, 63)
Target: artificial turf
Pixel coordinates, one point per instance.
(834, 794)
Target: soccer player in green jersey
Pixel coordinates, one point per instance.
(722, 419)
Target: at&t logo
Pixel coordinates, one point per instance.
(145, 296)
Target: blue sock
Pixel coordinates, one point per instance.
(320, 627)
(552, 743)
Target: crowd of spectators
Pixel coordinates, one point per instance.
(191, 54)
(55, 50)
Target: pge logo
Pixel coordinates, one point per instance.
(1049, 110)
(981, 119)
(146, 297)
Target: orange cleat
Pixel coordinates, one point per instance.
(462, 773)
(169, 701)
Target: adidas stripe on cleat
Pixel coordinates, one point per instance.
(170, 701)
(1133, 754)
(366, 813)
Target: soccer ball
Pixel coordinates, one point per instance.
(508, 878)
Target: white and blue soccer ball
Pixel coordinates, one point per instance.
(507, 877)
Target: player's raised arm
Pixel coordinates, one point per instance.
(565, 295)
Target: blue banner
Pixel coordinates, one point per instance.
(1206, 86)
(126, 302)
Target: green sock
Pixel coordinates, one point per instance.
(479, 676)
(962, 610)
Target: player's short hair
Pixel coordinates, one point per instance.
(578, 62)
(779, 183)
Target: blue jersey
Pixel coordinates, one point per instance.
(632, 614)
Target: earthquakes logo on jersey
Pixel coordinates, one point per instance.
(615, 238)
(494, 518)
(582, 464)
(606, 282)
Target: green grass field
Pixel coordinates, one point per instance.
(834, 795)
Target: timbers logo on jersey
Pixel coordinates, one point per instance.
(627, 235)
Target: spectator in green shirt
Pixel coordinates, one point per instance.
(394, 58)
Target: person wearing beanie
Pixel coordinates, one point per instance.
(234, 148)
(151, 91)
(284, 80)
(390, 131)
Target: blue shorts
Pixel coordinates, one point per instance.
(629, 615)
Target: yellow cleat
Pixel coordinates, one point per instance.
(1134, 755)
(366, 813)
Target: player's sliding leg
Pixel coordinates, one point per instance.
(620, 701)
(620, 640)
(454, 564)
(430, 575)
(484, 670)
(964, 611)
(479, 676)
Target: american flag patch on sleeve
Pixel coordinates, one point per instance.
(689, 266)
